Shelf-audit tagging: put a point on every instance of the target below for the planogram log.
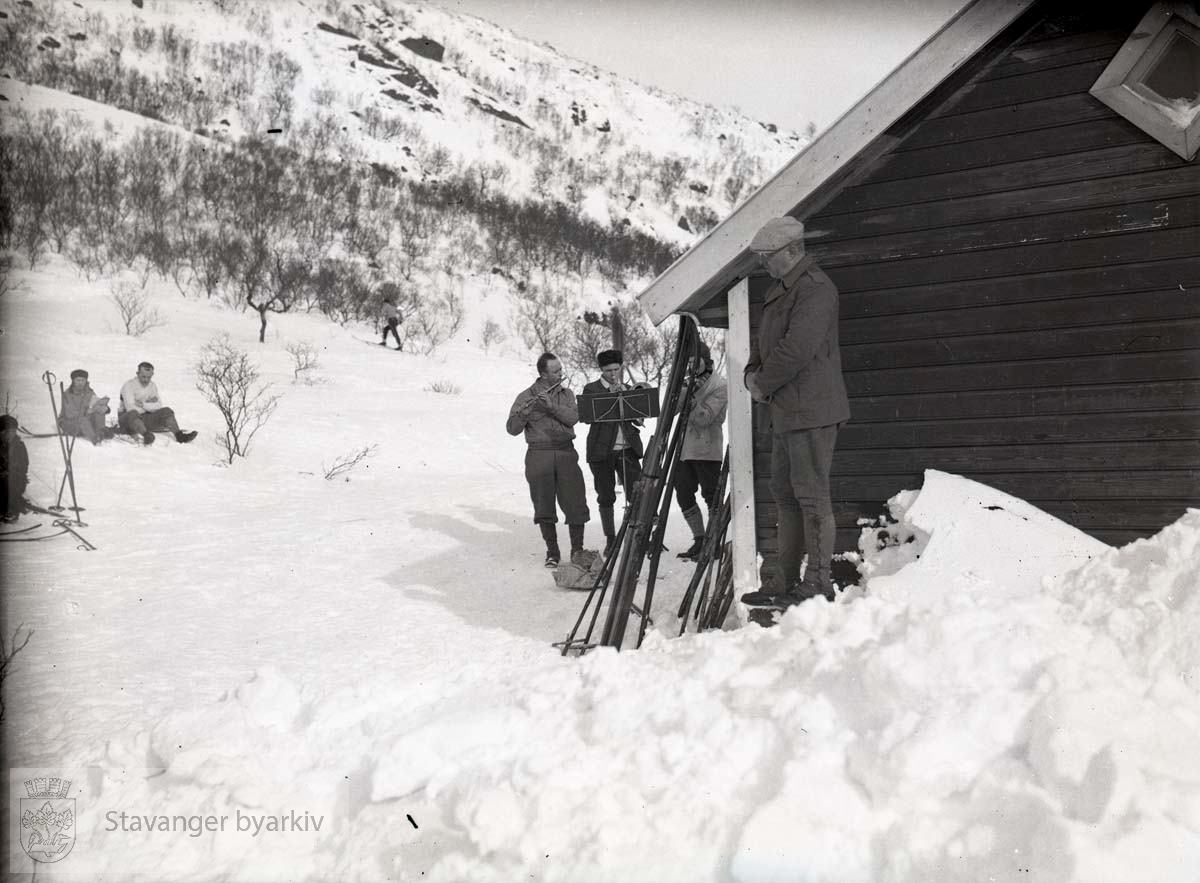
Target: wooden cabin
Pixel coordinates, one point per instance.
(1012, 219)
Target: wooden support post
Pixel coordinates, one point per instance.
(741, 443)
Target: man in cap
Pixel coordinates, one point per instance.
(795, 366)
(142, 413)
(83, 411)
(703, 449)
(546, 412)
(614, 450)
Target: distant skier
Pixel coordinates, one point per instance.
(392, 318)
(703, 448)
(14, 468)
(547, 414)
(83, 411)
(142, 412)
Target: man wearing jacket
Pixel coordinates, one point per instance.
(142, 413)
(547, 414)
(795, 366)
(703, 449)
(614, 450)
(83, 411)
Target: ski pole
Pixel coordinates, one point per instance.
(69, 476)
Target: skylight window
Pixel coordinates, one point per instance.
(1154, 80)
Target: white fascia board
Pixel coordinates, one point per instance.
(713, 263)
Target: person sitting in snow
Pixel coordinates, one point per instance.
(142, 413)
(83, 411)
(392, 318)
(14, 468)
(546, 412)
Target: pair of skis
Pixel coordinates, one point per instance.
(640, 537)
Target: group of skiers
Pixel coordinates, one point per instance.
(794, 372)
(83, 414)
(547, 413)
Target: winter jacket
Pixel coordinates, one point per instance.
(391, 311)
(142, 399)
(602, 436)
(545, 426)
(76, 406)
(14, 464)
(795, 352)
(704, 438)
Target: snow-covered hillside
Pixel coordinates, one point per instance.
(252, 651)
(413, 87)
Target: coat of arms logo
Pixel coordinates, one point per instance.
(48, 816)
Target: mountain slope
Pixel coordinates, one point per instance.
(418, 89)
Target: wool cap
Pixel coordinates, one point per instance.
(79, 372)
(777, 233)
(610, 357)
(8, 421)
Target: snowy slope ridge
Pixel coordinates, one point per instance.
(1004, 698)
(412, 87)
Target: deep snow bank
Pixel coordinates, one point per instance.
(1006, 699)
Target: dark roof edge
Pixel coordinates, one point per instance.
(720, 258)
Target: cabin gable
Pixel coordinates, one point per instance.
(1019, 272)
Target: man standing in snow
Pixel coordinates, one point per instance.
(83, 411)
(614, 450)
(142, 412)
(14, 468)
(795, 366)
(703, 449)
(547, 414)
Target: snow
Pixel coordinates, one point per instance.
(1004, 698)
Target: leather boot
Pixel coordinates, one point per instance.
(696, 522)
(550, 535)
(580, 556)
(576, 531)
(791, 538)
(610, 530)
(821, 529)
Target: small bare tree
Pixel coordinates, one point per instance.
(304, 360)
(491, 334)
(133, 305)
(8, 650)
(542, 318)
(344, 463)
(227, 378)
(430, 322)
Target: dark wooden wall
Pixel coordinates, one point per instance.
(1020, 297)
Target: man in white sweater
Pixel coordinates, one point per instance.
(142, 412)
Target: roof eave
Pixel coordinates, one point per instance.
(718, 260)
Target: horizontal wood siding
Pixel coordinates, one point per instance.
(1020, 300)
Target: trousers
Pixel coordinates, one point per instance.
(554, 476)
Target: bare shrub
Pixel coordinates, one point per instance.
(430, 322)
(491, 334)
(346, 462)
(444, 387)
(304, 360)
(8, 651)
(541, 318)
(133, 305)
(227, 378)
